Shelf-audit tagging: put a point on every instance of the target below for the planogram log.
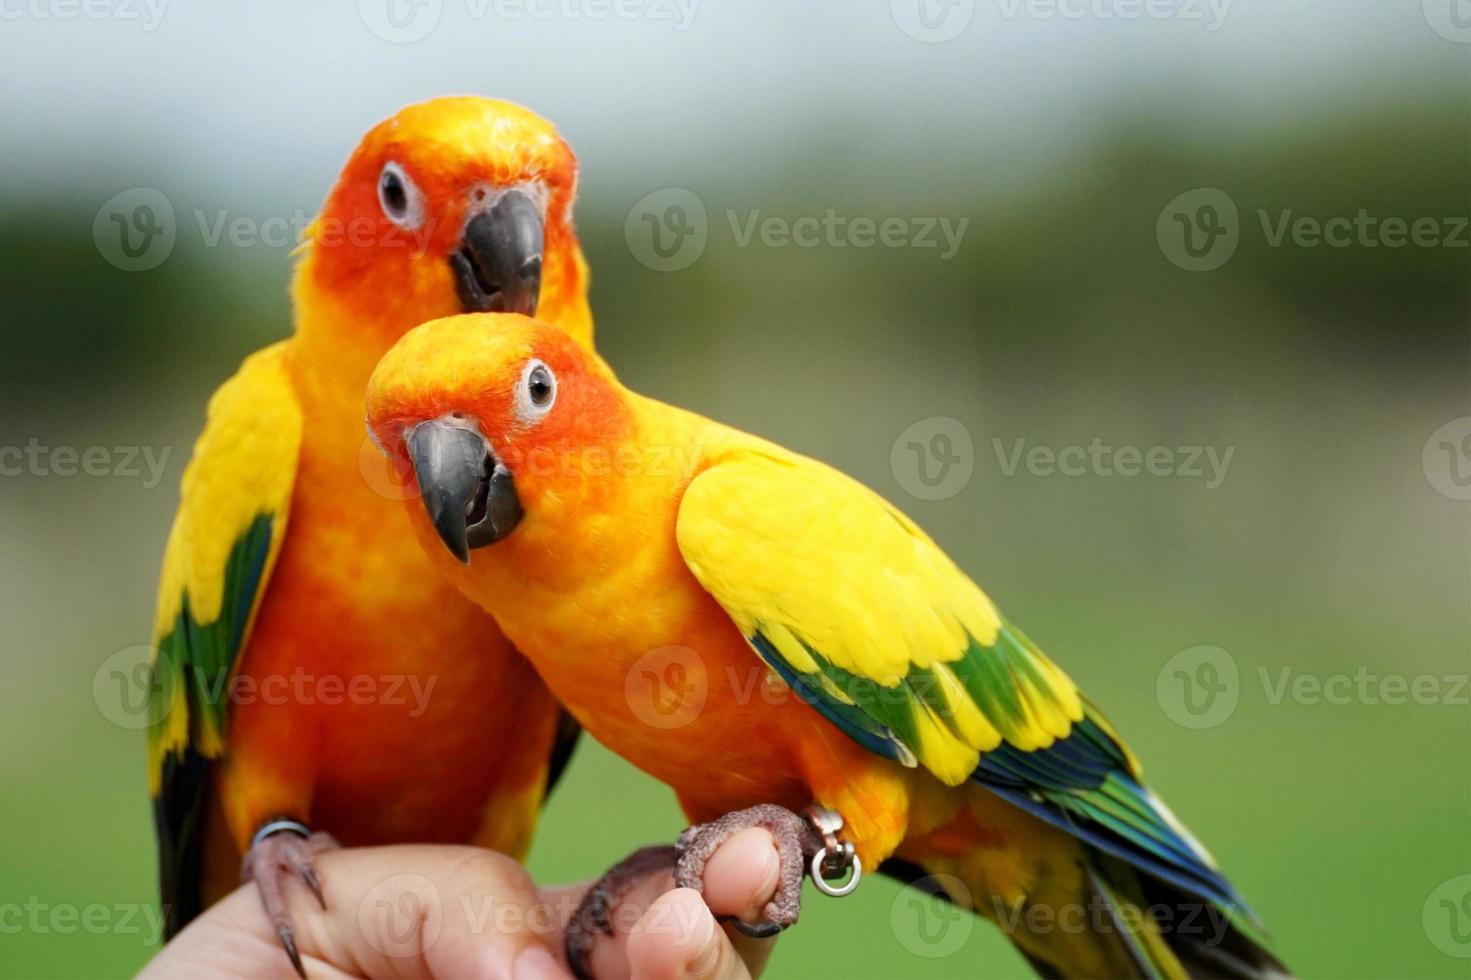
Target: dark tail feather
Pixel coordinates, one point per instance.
(1205, 938)
(1183, 936)
(178, 819)
(565, 741)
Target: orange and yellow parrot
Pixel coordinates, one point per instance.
(287, 696)
(831, 656)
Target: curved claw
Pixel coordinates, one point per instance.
(764, 929)
(594, 916)
(282, 849)
(288, 940)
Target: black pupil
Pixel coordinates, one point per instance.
(395, 198)
(541, 386)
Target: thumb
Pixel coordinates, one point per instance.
(679, 939)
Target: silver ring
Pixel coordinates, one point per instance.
(279, 827)
(836, 891)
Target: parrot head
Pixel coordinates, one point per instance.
(494, 417)
(457, 204)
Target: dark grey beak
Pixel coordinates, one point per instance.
(498, 265)
(469, 494)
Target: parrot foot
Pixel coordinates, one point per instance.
(801, 840)
(594, 917)
(283, 848)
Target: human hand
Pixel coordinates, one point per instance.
(452, 911)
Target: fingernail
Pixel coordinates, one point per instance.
(537, 963)
(703, 963)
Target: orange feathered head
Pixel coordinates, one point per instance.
(453, 205)
(491, 415)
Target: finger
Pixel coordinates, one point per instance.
(436, 911)
(409, 911)
(608, 959)
(678, 939)
(740, 878)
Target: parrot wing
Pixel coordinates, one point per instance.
(871, 623)
(228, 530)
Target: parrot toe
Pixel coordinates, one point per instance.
(797, 840)
(282, 849)
(594, 916)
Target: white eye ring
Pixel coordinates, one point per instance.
(399, 197)
(536, 393)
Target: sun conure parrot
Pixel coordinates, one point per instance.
(287, 697)
(829, 654)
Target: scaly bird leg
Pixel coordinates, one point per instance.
(280, 849)
(799, 839)
(594, 917)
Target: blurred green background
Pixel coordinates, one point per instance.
(1333, 546)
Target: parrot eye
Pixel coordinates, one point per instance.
(537, 391)
(399, 198)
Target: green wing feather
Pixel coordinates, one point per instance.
(863, 615)
(231, 519)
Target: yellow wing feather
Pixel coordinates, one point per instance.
(838, 590)
(243, 469)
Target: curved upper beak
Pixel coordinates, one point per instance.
(468, 493)
(497, 267)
